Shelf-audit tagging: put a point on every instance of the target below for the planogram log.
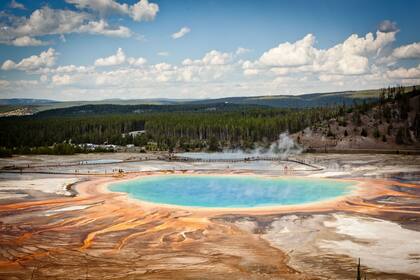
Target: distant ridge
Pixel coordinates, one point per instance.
(26, 101)
(300, 101)
(34, 102)
(276, 101)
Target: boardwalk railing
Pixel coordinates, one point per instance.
(246, 159)
(16, 169)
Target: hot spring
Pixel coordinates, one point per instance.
(238, 191)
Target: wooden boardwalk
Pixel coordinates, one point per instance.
(27, 168)
(246, 159)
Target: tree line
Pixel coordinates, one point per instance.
(168, 130)
(183, 130)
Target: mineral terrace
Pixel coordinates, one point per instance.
(59, 221)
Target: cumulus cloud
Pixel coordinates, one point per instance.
(134, 72)
(61, 80)
(407, 51)
(144, 11)
(120, 58)
(213, 57)
(368, 44)
(181, 33)
(141, 11)
(387, 26)
(102, 27)
(102, 6)
(353, 64)
(216, 58)
(291, 54)
(136, 61)
(66, 69)
(405, 73)
(212, 66)
(47, 21)
(25, 41)
(16, 5)
(352, 57)
(288, 68)
(28, 41)
(8, 65)
(241, 51)
(34, 62)
(116, 59)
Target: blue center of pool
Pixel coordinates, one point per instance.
(231, 191)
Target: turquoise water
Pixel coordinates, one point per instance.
(231, 191)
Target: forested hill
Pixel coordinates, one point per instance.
(301, 101)
(393, 120)
(19, 107)
(222, 105)
(110, 109)
(392, 123)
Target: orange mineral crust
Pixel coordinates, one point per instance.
(100, 234)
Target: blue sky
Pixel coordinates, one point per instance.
(229, 48)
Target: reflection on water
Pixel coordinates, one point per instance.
(231, 191)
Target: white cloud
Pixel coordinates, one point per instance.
(291, 54)
(213, 57)
(163, 53)
(34, 62)
(181, 33)
(141, 11)
(251, 72)
(102, 6)
(354, 63)
(47, 21)
(216, 58)
(135, 72)
(407, 51)
(8, 65)
(102, 27)
(61, 80)
(16, 5)
(144, 11)
(404, 73)
(4, 83)
(136, 61)
(368, 44)
(241, 51)
(116, 59)
(26, 41)
(352, 57)
(71, 69)
(330, 78)
(120, 58)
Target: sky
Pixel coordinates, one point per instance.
(189, 49)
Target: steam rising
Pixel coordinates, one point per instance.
(282, 148)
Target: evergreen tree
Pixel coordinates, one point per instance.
(358, 273)
(399, 138)
(213, 145)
